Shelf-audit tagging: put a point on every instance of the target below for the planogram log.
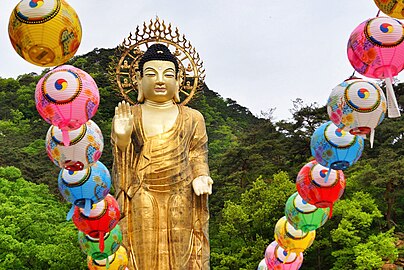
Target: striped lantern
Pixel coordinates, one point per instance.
(117, 261)
(90, 245)
(67, 97)
(320, 186)
(376, 50)
(45, 33)
(277, 258)
(86, 187)
(290, 239)
(103, 217)
(393, 8)
(357, 106)
(84, 150)
(335, 148)
(304, 216)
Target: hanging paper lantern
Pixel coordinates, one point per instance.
(304, 216)
(117, 261)
(45, 33)
(278, 259)
(85, 148)
(376, 50)
(86, 187)
(335, 148)
(290, 239)
(102, 218)
(393, 8)
(90, 245)
(320, 186)
(67, 97)
(357, 106)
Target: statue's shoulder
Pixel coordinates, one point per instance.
(195, 114)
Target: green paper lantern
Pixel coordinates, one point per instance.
(90, 245)
(304, 216)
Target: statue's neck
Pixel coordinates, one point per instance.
(159, 105)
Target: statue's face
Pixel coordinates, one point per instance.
(158, 82)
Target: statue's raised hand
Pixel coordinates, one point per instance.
(123, 123)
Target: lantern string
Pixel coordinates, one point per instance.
(353, 75)
(378, 13)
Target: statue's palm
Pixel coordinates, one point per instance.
(123, 120)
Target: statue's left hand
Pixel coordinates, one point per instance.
(202, 185)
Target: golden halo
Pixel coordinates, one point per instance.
(132, 48)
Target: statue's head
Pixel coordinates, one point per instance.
(158, 78)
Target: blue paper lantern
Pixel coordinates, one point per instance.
(86, 187)
(335, 148)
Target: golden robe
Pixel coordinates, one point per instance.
(164, 224)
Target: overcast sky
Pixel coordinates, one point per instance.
(262, 53)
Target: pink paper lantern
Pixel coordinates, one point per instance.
(278, 259)
(376, 50)
(84, 150)
(67, 97)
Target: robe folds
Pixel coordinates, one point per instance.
(164, 224)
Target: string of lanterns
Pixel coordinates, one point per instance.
(47, 33)
(356, 107)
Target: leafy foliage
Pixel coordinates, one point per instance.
(33, 231)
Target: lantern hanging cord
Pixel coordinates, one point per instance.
(378, 13)
(353, 75)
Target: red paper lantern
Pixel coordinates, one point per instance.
(319, 186)
(103, 217)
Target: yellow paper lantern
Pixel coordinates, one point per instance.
(290, 239)
(393, 8)
(46, 33)
(117, 261)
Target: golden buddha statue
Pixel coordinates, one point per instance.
(161, 171)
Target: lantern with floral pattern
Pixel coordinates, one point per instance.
(304, 216)
(67, 97)
(85, 147)
(357, 106)
(319, 185)
(103, 217)
(290, 239)
(46, 33)
(376, 50)
(278, 259)
(86, 187)
(335, 148)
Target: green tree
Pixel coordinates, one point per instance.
(247, 227)
(34, 233)
(358, 245)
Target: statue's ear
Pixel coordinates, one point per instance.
(138, 79)
(178, 83)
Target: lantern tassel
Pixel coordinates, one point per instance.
(330, 213)
(70, 213)
(328, 175)
(66, 138)
(102, 244)
(392, 105)
(107, 264)
(372, 137)
(87, 207)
